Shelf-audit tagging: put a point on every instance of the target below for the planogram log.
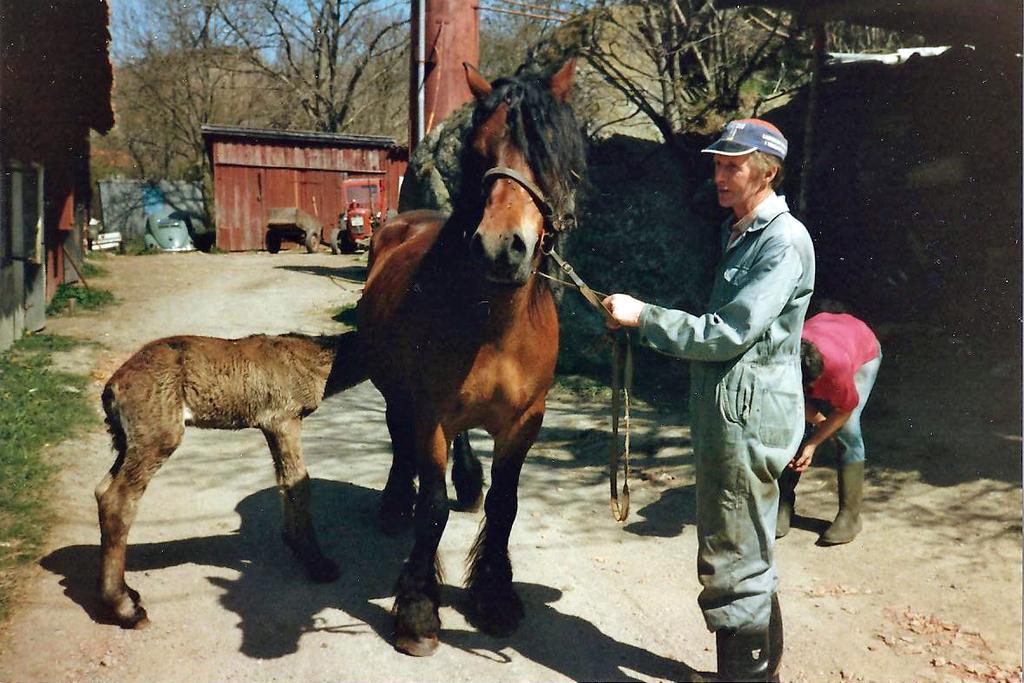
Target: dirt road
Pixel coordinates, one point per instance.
(930, 591)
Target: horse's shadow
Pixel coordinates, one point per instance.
(276, 604)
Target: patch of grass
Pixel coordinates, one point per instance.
(38, 407)
(89, 299)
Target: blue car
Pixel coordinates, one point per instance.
(168, 233)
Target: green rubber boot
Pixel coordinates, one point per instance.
(742, 657)
(787, 501)
(851, 493)
(755, 656)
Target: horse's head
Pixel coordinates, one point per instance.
(526, 154)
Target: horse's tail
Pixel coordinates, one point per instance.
(348, 368)
(118, 437)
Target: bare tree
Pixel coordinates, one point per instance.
(322, 52)
(174, 71)
(685, 64)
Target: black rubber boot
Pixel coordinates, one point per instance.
(851, 493)
(787, 501)
(743, 657)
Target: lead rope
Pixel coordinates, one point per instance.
(622, 387)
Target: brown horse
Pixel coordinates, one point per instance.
(459, 331)
(267, 382)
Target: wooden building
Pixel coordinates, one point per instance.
(54, 87)
(255, 170)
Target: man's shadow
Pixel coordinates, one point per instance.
(676, 508)
(276, 604)
(565, 643)
(668, 515)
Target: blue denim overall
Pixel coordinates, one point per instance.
(746, 406)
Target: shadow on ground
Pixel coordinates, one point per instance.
(353, 274)
(370, 562)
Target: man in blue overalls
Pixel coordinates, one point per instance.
(746, 402)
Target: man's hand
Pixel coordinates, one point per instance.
(803, 458)
(625, 309)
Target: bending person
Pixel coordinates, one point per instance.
(840, 357)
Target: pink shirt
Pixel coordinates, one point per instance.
(845, 344)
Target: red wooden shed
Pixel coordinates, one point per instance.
(255, 170)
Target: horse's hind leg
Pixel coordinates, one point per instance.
(400, 492)
(285, 441)
(496, 607)
(117, 498)
(467, 474)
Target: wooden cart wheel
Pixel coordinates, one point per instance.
(312, 242)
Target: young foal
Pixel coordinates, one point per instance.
(459, 332)
(267, 382)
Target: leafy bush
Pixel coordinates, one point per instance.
(87, 298)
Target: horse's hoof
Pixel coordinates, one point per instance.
(471, 506)
(322, 570)
(498, 616)
(416, 647)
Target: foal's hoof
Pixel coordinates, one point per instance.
(136, 619)
(318, 567)
(416, 647)
(142, 623)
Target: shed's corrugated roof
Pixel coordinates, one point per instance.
(333, 139)
(975, 22)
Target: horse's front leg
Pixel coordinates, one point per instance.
(418, 593)
(496, 607)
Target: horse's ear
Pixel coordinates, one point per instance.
(561, 80)
(478, 85)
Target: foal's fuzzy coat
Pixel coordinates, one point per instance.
(266, 382)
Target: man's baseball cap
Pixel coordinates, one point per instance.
(744, 136)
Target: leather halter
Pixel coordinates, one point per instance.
(556, 223)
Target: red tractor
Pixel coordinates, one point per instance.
(366, 210)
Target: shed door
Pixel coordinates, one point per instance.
(21, 245)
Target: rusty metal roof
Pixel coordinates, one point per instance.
(975, 22)
(302, 136)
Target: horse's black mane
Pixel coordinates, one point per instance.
(547, 133)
